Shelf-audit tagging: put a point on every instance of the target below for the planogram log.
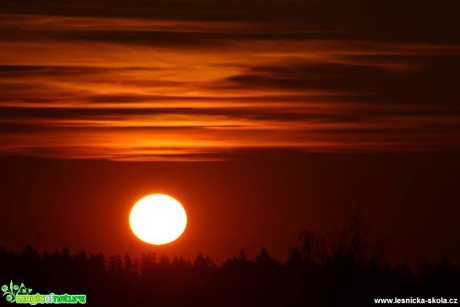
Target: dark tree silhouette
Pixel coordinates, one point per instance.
(349, 270)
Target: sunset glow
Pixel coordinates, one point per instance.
(313, 147)
(153, 89)
(158, 219)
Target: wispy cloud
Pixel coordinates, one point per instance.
(80, 81)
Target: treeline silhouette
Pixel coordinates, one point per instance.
(350, 270)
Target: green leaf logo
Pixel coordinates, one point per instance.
(13, 290)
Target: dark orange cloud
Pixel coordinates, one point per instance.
(167, 83)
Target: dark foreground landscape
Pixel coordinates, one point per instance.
(350, 270)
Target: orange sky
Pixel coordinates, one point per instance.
(161, 87)
(285, 115)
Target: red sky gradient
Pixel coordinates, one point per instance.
(263, 117)
(258, 199)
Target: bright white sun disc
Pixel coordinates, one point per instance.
(158, 219)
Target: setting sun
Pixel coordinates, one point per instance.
(158, 219)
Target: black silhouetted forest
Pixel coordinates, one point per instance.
(349, 270)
